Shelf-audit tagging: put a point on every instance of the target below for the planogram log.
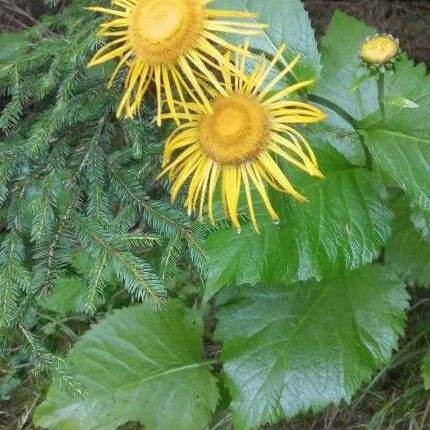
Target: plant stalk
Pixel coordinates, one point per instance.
(347, 117)
(336, 108)
(381, 95)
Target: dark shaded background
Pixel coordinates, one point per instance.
(407, 19)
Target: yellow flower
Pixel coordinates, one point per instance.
(167, 41)
(379, 50)
(237, 141)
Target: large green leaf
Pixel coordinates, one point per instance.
(408, 252)
(137, 365)
(289, 349)
(69, 295)
(401, 144)
(287, 22)
(405, 157)
(341, 67)
(342, 226)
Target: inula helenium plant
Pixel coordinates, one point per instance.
(233, 122)
(210, 220)
(169, 42)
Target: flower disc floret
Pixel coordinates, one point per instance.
(161, 31)
(236, 143)
(236, 131)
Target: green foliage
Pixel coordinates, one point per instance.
(408, 252)
(400, 145)
(137, 365)
(69, 295)
(7, 384)
(86, 229)
(72, 180)
(287, 24)
(342, 226)
(14, 278)
(291, 348)
(341, 67)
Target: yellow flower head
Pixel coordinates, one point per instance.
(166, 41)
(238, 140)
(379, 50)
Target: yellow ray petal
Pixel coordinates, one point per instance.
(274, 170)
(249, 198)
(231, 189)
(290, 89)
(278, 78)
(115, 12)
(256, 179)
(133, 75)
(212, 185)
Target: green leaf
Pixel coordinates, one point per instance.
(288, 349)
(408, 252)
(342, 71)
(344, 140)
(341, 67)
(83, 263)
(137, 365)
(401, 102)
(426, 371)
(342, 226)
(404, 156)
(401, 145)
(288, 24)
(69, 295)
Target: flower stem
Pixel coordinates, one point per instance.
(336, 108)
(367, 155)
(349, 118)
(381, 95)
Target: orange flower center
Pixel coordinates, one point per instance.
(163, 30)
(237, 131)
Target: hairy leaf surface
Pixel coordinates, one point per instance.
(407, 251)
(287, 349)
(341, 227)
(401, 144)
(341, 67)
(288, 23)
(137, 365)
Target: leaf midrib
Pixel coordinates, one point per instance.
(142, 381)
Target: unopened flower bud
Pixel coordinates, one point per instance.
(380, 50)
